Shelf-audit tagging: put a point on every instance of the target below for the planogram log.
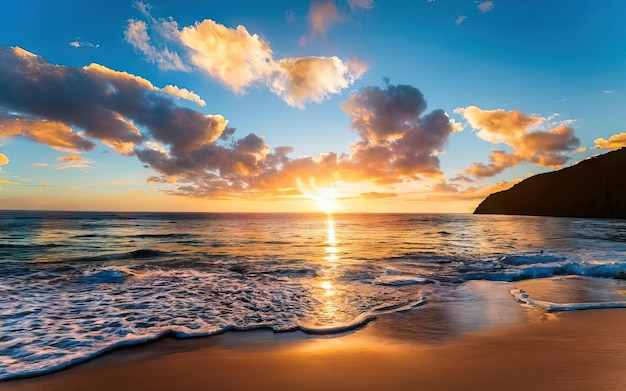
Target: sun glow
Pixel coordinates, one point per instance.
(327, 200)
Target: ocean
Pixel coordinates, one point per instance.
(76, 284)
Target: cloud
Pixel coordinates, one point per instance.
(73, 161)
(498, 126)
(322, 15)
(233, 56)
(7, 182)
(183, 93)
(239, 59)
(136, 34)
(313, 79)
(169, 89)
(485, 6)
(445, 187)
(396, 141)
(374, 195)
(290, 16)
(616, 141)
(608, 91)
(467, 194)
(108, 105)
(365, 4)
(198, 155)
(248, 167)
(462, 178)
(52, 133)
(518, 131)
(4, 159)
(40, 164)
(82, 44)
(460, 19)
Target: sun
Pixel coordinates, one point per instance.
(327, 200)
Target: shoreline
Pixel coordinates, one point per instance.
(490, 343)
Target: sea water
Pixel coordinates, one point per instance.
(76, 284)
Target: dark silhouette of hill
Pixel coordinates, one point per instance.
(595, 187)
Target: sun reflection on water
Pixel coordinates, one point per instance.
(329, 289)
(331, 240)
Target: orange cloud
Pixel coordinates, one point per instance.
(397, 142)
(4, 159)
(73, 161)
(517, 130)
(322, 15)
(445, 187)
(374, 195)
(498, 126)
(239, 59)
(55, 134)
(7, 182)
(307, 79)
(233, 56)
(616, 141)
(466, 194)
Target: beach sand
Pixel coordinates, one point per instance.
(506, 347)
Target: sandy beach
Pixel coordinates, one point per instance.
(514, 349)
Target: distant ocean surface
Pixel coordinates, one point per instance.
(73, 285)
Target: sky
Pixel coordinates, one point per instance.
(301, 106)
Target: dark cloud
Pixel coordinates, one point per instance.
(34, 88)
(397, 141)
(194, 154)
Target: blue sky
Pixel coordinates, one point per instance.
(342, 83)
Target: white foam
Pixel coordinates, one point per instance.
(524, 298)
(401, 280)
(47, 324)
(360, 320)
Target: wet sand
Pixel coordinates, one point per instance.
(514, 349)
(582, 350)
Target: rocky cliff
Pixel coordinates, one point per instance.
(595, 187)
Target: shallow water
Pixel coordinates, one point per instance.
(73, 285)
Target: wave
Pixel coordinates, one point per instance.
(524, 267)
(360, 320)
(43, 363)
(524, 298)
(136, 254)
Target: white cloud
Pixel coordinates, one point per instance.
(233, 56)
(460, 19)
(486, 6)
(239, 59)
(136, 34)
(365, 4)
(81, 44)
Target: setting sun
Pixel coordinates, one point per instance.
(327, 201)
